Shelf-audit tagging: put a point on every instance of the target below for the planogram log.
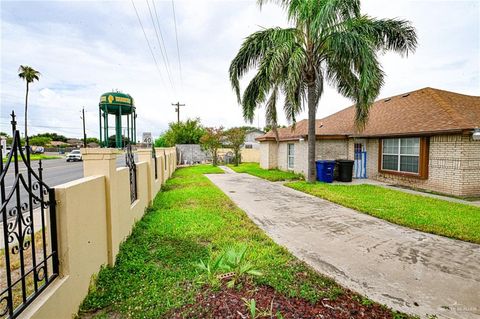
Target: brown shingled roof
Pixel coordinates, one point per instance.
(425, 111)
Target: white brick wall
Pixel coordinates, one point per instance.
(324, 149)
(268, 155)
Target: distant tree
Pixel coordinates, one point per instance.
(112, 142)
(248, 128)
(28, 74)
(269, 127)
(40, 141)
(160, 141)
(3, 134)
(211, 141)
(53, 137)
(188, 132)
(235, 138)
(92, 140)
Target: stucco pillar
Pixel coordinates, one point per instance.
(103, 161)
(161, 167)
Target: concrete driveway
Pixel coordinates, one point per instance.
(407, 270)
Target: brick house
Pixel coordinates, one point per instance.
(422, 139)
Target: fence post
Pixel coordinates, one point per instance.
(103, 161)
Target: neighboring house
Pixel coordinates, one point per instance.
(58, 144)
(421, 139)
(75, 142)
(250, 138)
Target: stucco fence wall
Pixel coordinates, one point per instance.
(250, 155)
(94, 216)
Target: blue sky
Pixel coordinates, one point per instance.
(86, 48)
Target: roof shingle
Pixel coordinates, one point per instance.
(425, 111)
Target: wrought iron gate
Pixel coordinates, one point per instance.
(132, 168)
(28, 223)
(154, 156)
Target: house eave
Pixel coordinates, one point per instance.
(417, 133)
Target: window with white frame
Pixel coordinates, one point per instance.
(290, 155)
(401, 155)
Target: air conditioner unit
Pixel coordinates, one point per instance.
(476, 134)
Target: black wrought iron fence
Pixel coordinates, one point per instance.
(154, 156)
(28, 224)
(132, 168)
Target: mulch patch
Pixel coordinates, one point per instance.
(230, 303)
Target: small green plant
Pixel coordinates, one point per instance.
(236, 263)
(252, 307)
(211, 269)
(260, 313)
(232, 264)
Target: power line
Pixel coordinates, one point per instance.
(161, 35)
(162, 48)
(176, 39)
(148, 42)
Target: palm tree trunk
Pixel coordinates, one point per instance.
(312, 110)
(26, 109)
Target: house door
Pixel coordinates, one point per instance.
(360, 161)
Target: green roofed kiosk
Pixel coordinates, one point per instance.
(118, 104)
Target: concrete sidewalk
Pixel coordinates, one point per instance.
(408, 270)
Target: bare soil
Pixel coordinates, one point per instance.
(230, 303)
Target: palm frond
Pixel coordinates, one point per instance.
(353, 67)
(328, 13)
(254, 49)
(271, 112)
(388, 34)
(28, 73)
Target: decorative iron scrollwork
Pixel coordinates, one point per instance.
(154, 156)
(29, 247)
(132, 168)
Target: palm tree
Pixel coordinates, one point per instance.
(329, 40)
(29, 74)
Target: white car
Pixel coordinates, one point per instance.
(74, 156)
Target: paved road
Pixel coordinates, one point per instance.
(408, 270)
(55, 172)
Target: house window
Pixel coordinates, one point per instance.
(401, 155)
(248, 146)
(290, 156)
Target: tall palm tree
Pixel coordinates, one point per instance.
(28, 74)
(329, 40)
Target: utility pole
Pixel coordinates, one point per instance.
(84, 133)
(177, 109)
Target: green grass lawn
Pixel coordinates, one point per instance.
(191, 220)
(36, 157)
(273, 175)
(418, 212)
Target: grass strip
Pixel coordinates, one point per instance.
(273, 175)
(423, 213)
